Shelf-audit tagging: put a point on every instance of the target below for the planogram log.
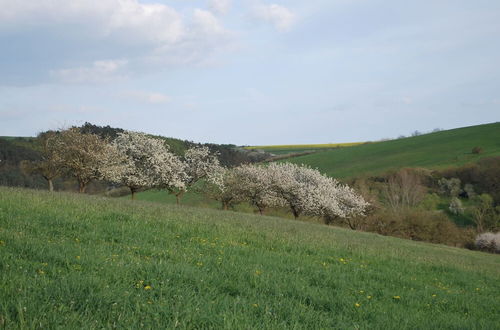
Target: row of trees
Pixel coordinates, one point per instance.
(141, 162)
(303, 190)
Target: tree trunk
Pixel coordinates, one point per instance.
(295, 213)
(225, 206)
(82, 186)
(51, 185)
(178, 197)
(132, 190)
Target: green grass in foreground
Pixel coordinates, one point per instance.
(69, 261)
(435, 150)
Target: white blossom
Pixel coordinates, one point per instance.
(147, 163)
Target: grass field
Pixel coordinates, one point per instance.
(300, 148)
(70, 261)
(434, 150)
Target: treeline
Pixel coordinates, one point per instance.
(451, 206)
(15, 150)
(140, 162)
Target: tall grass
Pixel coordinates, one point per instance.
(70, 261)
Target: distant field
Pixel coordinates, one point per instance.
(299, 148)
(434, 150)
(71, 261)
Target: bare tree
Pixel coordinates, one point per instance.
(82, 156)
(403, 190)
(49, 166)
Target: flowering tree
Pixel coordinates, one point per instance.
(198, 163)
(332, 200)
(255, 187)
(293, 184)
(147, 162)
(84, 156)
(223, 186)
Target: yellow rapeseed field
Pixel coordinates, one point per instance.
(305, 146)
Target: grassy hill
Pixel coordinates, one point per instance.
(434, 150)
(86, 262)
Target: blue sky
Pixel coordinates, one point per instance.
(250, 71)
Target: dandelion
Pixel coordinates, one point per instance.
(255, 305)
(357, 305)
(258, 272)
(77, 257)
(369, 297)
(396, 297)
(433, 295)
(361, 291)
(199, 264)
(147, 287)
(40, 271)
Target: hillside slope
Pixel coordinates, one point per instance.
(85, 262)
(434, 150)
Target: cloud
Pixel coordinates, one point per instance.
(206, 22)
(127, 19)
(99, 71)
(146, 97)
(219, 6)
(152, 35)
(281, 17)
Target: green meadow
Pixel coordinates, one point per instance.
(435, 150)
(74, 261)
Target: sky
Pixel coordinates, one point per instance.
(250, 72)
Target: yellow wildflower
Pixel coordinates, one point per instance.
(147, 287)
(357, 305)
(396, 297)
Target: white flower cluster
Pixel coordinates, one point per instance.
(302, 189)
(488, 242)
(145, 162)
(199, 163)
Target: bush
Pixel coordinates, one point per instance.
(456, 206)
(477, 150)
(488, 242)
(417, 225)
(449, 187)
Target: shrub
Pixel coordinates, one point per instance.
(488, 242)
(469, 190)
(456, 206)
(417, 225)
(477, 150)
(449, 187)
